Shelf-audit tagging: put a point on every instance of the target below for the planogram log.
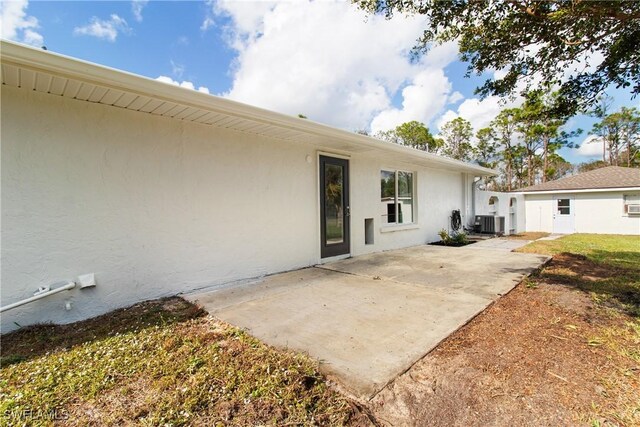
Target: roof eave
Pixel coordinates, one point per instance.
(579, 190)
(37, 59)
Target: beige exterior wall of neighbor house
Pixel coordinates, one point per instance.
(155, 206)
(594, 212)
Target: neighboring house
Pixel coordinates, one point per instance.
(605, 200)
(159, 189)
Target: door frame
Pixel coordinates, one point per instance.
(344, 248)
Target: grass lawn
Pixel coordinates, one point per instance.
(606, 266)
(159, 363)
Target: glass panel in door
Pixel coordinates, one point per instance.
(333, 203)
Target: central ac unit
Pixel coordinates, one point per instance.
(489, 224)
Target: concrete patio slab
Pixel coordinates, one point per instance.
(500, 243)
(369, 318)
(487, 273)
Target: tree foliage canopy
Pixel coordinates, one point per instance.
(457, 135)
(535, 41)
(412, 134)
(619, 133)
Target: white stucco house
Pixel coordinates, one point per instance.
(156, 189)
(605, 201)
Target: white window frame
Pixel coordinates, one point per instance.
(393, 226)
(630, 200)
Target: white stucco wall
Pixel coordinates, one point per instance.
(155, 206)
(595, 212)
(539, 213)
(503, 208)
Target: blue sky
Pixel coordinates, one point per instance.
(324, 59)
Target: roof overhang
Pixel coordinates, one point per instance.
(42, 71)
(582, 190)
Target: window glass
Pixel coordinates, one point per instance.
(405, 198)
(396, 197)
(387, 196)
(632, 203)
(564, 206)
(387, 184)
(333, 184)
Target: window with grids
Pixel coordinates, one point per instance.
(397, 197)
(632, 204)
(564, 206)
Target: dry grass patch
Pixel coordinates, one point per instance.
(529, 235)
(161, 363)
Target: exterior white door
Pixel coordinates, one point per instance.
(563, 215)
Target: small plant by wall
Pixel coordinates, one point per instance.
(455, 239)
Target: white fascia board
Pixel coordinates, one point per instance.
(587, 190)
(64, 66)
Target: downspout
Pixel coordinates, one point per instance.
(474, 185)
(38, 295)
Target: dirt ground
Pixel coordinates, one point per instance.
(539, 356)
(529, 235)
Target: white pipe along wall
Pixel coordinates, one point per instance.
(38, 295)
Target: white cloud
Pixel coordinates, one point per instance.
(177, 69)
(479, 112)
(107, 29)
(16, 25)
(185, 84)
(421, 100)
(455, 97)
(332, 63)
(591, 147)
(136, 8)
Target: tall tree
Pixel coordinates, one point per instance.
(609, 131)
(601, 110)
(620, 134)
(486, 148)
(532, 40)
(412, 134)
(487, 153)
(457, 135)
(504, 126)
(630, 130)
(519, 161)
(540, 124)
(557, 167)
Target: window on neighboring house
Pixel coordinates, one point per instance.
(632, 204)
(564, 206)
(396, 195)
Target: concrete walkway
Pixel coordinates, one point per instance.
(500, 243)
(369, 318)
